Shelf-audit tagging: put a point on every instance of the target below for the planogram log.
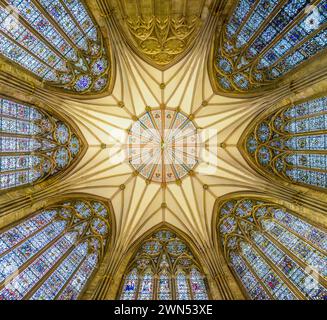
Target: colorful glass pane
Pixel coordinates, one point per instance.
(292, 144)
(263, 41)
(164, 290)
(271, 253)
(182, 287)
(57, 41)
(33, 144)
(130, 286)
(46, 255)
(146, 286)
(197, 285)
(154, 268)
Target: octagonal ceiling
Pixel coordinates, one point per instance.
(187, 202)
(140, 204)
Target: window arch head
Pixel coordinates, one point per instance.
(58, 42)
(264, 41)
(163, 268)
(291, 143)
(34, 145)
(53, 253)
(273, 252)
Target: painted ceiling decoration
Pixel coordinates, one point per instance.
(264, 41)
(164, 269)
(274, 253)
(34, 145)
(56, 251)
(161, 31)
(58, 42)
(163, 145)
(291, 143)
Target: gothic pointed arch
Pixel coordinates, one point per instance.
(160, 32)
(36, 145)
(273, 252)
(58, 43)
(54, 252)
(262, 42)
(290, 143)
(163, 268)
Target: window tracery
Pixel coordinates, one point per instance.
(53, 253)
(291, 143)
(33, 145)
(57, 41)
(274, 253)
(164, 269)
(263, 41)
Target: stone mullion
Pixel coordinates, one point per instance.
(73, 18)
(288, 251)
(245, 19)
(297, 46)
(68, 280)
(49, 273)
(254, 273)
(299, 236)
(189, 286)
(27, 238)
(294, 22)
(42, 38)
(28, 262)
(277, 271)
(28, 51)
(258, 32)
(55, 25)
(173, 286)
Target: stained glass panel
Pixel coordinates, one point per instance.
(182, 287)
(164, 268)
(198, 285)
(270, 250)
(146, 286)
(33, 144)
(164, 287)
(58, 41)
(263, 41)
(292, 143)
(130, 286)
(50, 251)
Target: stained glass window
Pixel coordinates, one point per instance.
(57, 41)
(33, 144)
(53, 253)
(292, 143)
(262, 41)
(273, 253)
(164, 268)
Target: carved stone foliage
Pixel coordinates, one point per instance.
(161, 32)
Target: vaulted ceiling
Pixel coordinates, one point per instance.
(139, 204)
(161, 52)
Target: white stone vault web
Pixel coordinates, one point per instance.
(186, 202)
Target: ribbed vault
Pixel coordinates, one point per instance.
(188, 205)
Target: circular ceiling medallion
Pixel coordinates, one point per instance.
(163, 145)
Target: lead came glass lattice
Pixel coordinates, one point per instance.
(164, 269)
(52, 254)
(57, 41)
(274, 253)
